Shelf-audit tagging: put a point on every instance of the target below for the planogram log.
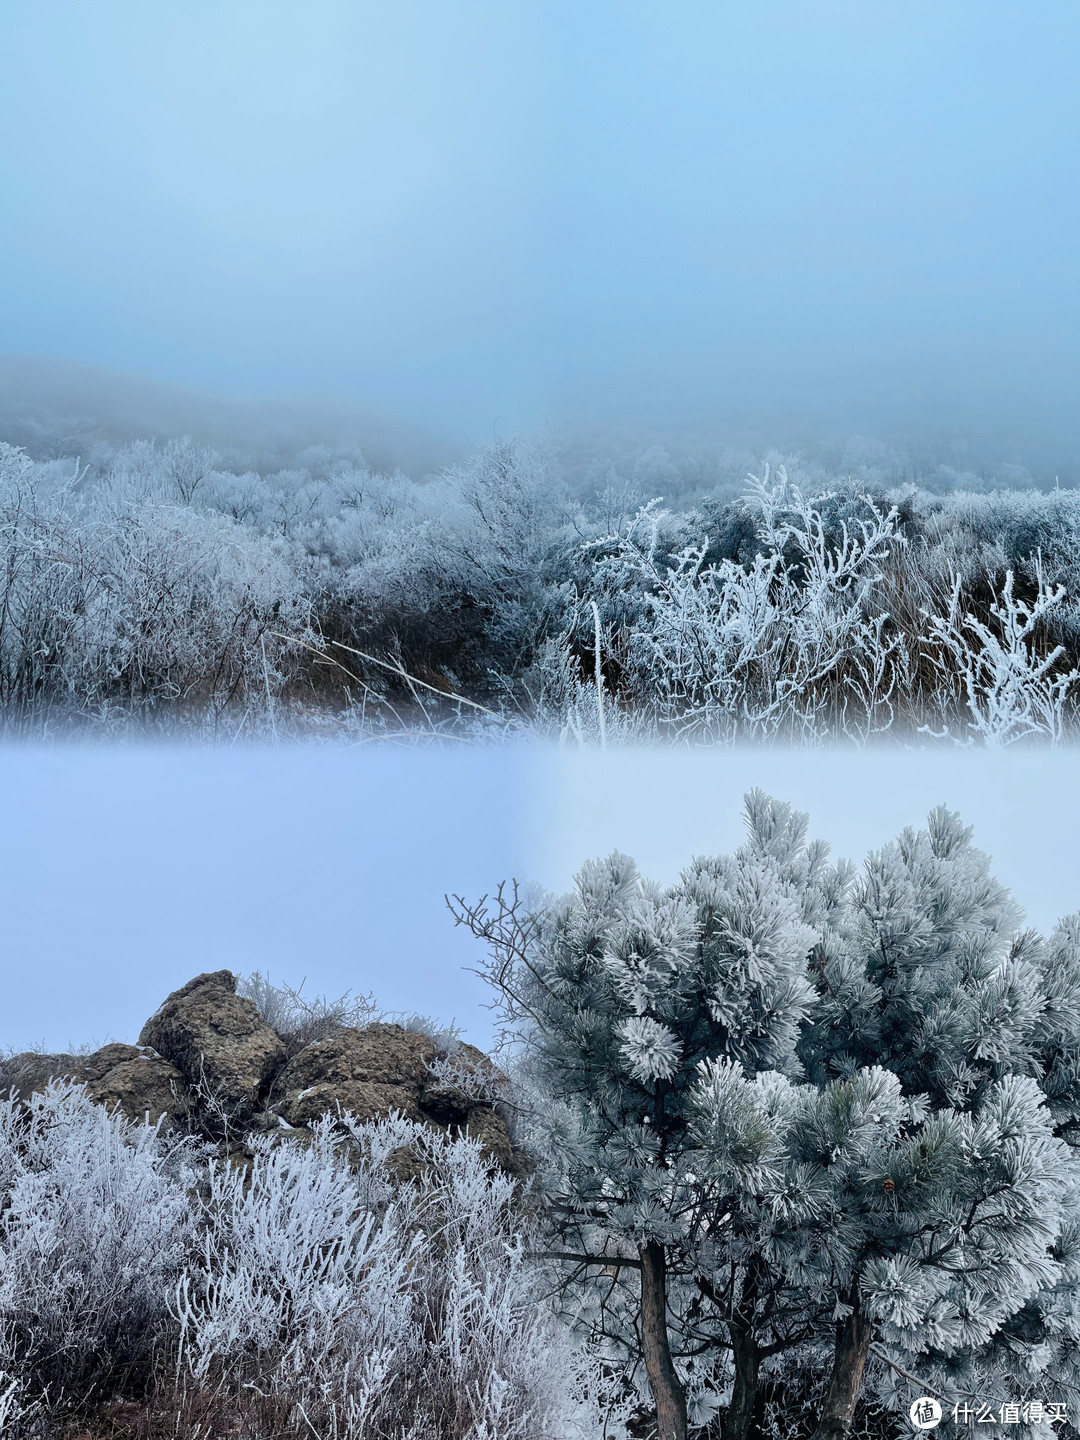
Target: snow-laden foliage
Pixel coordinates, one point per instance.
(379, 1306)
(502, 595)
(798, 1126)
(363, 1282)
(95, 1229)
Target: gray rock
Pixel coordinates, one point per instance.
(141, 1083)
(368, 1072)
(381, 1068)
(445, 1104)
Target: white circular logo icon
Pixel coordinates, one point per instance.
(925, 1413)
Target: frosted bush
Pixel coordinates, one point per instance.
(299, 1019)
(373, 1281)
(831, 621)
(378, 1306)
(1008, 689)
(117, 603)
(193, 610)
(781, 646)
(12, 1409)
(95, 1227)
(517, 591)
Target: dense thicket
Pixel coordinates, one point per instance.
(513, 592)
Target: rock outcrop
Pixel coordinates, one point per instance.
(383, 1068)
(220, 1044)
(368, 1072)
(133, 1077)
(207, 1062)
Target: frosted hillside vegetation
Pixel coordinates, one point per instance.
(518, 593)
(311, 1292)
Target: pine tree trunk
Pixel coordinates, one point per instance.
(740, 1422)
(666, 1386)
(853, 1336)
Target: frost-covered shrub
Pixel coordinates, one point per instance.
(381, 1306)
(108, 602)
(459, 578)
(192, 611)
(781, 646)
(95, 1231)
(369, 1281)
(299, 1019)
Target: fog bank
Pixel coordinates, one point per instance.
(485, 218)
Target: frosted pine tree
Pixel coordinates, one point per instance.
(929, 1229)
(935, 981)
(1036, 1352)
(737, 1170)
(619, 992)
(941, 1225)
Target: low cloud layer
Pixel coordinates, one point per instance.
(486, 219)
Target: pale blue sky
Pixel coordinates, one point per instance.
(126, 871)
(492, 213)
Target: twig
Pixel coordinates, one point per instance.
(404, 674)
(398, 670)
(907, 1375)
(266, 678)
(599, 675)
(330, 660)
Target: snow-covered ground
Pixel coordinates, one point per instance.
(123, 872)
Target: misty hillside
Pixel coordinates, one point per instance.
(54, 408)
